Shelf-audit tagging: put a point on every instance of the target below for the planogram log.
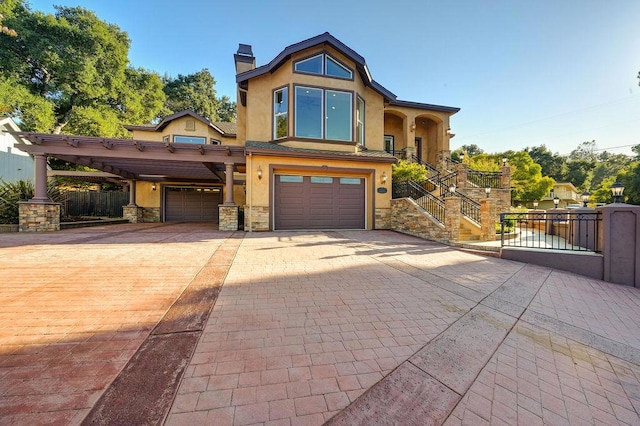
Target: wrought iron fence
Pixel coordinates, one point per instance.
(469, 208)
(575, 231)
(484, 179)
(94, 203)
(429, 202)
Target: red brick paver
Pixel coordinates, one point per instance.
(76, 305)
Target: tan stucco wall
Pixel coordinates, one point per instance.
(259, 110)
(178, 127)
(258, 192)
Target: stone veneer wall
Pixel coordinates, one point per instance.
(39, 217)
(132, 213)
(150, 214)
(407, 217)
(256, 218)
(228, 218)
(383, 219)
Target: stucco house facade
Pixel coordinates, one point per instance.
(312, 148)
(15, 164)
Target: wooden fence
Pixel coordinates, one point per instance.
(94, 203)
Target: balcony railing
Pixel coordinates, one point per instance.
(484, 179)
(575, 231)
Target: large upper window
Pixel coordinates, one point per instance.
(281, 113)
(323, 64)
(323, 114)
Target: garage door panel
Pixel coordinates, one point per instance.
(319, 202)
(192, 204)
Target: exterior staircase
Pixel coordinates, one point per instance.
(431, 197)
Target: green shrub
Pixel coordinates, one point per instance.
(404, 171)
(13, 192)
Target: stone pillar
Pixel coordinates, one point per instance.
(40, 195)
(228, 191)
(228, 216)
(409, 152)
(619, 240)
(132, 213)
(505, 178)
(38, 216)
(452, 218)
(444, 157)
(488, 219)
(461, 177)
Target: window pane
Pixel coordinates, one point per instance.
(311, 65)
(291, 179)
(349, 181)
(280, 113)
(338, 115)
(308, 114)
(319, 179)
(188, 139)
(360, 121)
(335, 69)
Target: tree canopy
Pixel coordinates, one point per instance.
(69, 72)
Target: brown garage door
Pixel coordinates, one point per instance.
(192, 204)
(319, 202)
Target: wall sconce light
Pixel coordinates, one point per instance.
(259, 172)
(535, 204)
(487, 190)
(383, 178)
(586, 196)
(452, 189)
(153, 186)
(504, 161)
(556, 201)
(617, 189)
(413, 126)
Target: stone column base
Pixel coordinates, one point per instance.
(132, 213)
(38, 217)
(256, 218)
(228, 216)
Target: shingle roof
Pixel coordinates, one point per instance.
(254, 146)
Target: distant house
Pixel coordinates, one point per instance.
(568, 196)
(14, 164)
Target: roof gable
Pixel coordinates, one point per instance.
(324, 38)
(224, 128)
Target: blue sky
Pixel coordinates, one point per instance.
(524, 73)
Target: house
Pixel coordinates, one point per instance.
(313, 147)
(14, 164)
(568, 196)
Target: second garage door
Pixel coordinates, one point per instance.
(192, 204)
(319, 202)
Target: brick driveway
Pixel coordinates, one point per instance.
(345, 327)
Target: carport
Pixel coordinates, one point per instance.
(134, 160)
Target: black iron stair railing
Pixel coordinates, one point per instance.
(425, 199)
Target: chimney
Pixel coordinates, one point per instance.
(245, 61)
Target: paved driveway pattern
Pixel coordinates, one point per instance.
(342, 327)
